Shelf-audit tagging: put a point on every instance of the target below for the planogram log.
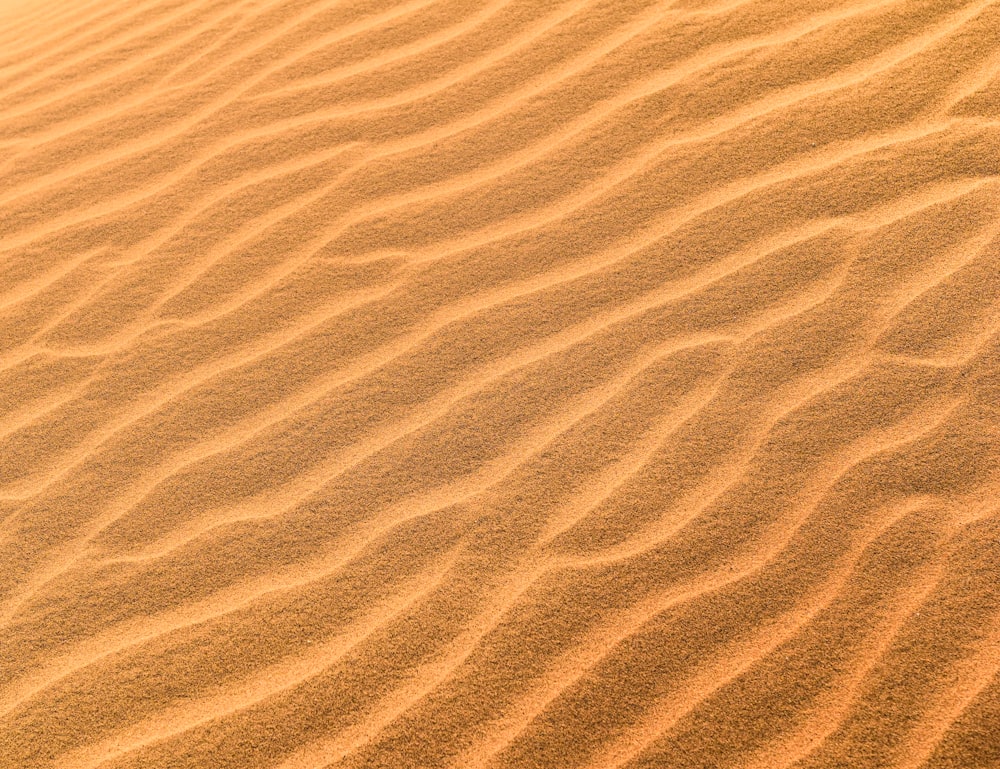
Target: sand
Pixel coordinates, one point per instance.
(601, 384)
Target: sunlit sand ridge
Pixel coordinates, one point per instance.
(432, 383)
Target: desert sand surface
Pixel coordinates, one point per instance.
(585, 384)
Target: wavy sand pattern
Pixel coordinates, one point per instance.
(433, 383)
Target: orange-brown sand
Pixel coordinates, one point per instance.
(474, 384)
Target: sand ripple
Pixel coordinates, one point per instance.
(431, 383)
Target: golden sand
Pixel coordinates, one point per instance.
(600, 384)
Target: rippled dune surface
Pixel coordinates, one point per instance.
(433, 383)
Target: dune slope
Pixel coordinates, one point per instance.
(591, 384)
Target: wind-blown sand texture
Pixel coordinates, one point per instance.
(437, 383)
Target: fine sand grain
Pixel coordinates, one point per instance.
(539, 384)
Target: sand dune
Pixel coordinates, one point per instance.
(432, 383)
